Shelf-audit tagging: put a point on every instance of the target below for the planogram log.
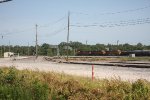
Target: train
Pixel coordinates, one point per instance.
(113, 53)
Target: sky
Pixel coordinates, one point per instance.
(94, 21)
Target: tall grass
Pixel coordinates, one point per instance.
(21, 85)
(34, 85)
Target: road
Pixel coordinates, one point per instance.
(100, 72)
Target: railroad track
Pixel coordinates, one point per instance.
(101, 63)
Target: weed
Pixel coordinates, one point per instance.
(34, 85)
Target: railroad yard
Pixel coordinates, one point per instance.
(104, 67)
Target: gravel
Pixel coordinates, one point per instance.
(100, 72)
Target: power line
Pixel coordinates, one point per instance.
(56, 32)
(53, 23)
(2, 1)
(29, 29)
(114, 24)
(16, 32)
(118, 12)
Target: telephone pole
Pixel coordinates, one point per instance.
(9, 46)
(36, 43)
(117, 44)
(28, 49)
(2, 48)
(2, 51)
(68, 34)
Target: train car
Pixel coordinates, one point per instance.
(125, 53)
(142, 52)
(83, 53)
(90, 53)
(98, 53)
(136, 52)
(113, 53)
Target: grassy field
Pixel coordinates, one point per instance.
(34, 85)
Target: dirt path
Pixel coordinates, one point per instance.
(108, 72)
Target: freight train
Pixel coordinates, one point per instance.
(113, 53)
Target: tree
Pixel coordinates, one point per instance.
(127, 47)
(100, 46)
(61, 46)
(44, 49)
(75, 45)
(139, 46)
(49, 52)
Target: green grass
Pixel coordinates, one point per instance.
(34, 85)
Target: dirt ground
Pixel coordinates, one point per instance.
(124, 73)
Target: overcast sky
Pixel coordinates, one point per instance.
(95, 21)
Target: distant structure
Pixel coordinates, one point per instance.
(8, 54)
(132, 55)
(55, 47)
(67, 47)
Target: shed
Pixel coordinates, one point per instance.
(8, 54)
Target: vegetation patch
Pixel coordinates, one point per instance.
(34, 85)
(134, 58)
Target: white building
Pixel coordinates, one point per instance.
(8, 54)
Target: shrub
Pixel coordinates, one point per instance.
(34, 85)
(140, 90)
(15, 87)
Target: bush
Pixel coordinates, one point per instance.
(33, 85)
(140, 90)
(13, 86)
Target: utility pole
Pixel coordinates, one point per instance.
(2, 51)
(117, 44)
(86, 42)
(28, 48)
(36, 43)
(9, 46)
(2, 48)
(68, 34)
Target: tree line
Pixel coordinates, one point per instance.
(51, 50)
